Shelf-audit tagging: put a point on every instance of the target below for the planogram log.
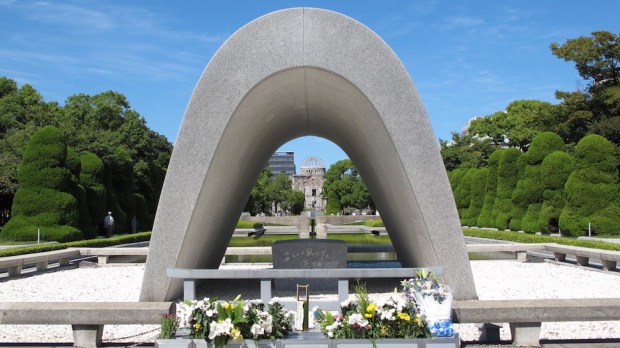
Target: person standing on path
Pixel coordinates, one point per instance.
(108, 224)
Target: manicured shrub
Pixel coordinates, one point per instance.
(333, 204)
(462, 194)
(455, 177)
(591, 188)
(92, 179)
(556, 168)
(485, 219)
(507, 176)
(120, 187)
(78, 191)
(529, 189)
(43, 200)
(478, 189)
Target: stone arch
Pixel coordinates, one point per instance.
(285, 75)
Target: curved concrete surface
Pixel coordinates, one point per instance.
(285, 75)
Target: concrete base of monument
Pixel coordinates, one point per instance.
(314, 339)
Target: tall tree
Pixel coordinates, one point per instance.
(343, 178)
(597, 58)
(465, 151)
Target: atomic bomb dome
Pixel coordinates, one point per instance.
(310, 182)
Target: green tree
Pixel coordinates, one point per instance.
(343, 178)
(516, 126)
(44, 200)
(333, 204)
(465, 151)
(259, 202)
(278, 189)
(485, 219)
(294, 201)
(592, 189)
(596, 57)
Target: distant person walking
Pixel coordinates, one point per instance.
(108, 224)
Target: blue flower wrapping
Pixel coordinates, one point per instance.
(442, 328)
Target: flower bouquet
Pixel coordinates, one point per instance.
(434, 301)
(220, 321)
(393, 316)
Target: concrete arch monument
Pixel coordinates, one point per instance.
(285, 75)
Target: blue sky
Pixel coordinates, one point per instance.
(466, 58)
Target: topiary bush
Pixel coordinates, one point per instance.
(592, 188)
(555, 168)
(485, 219)
(455, 177)
(507, 176)
(92, 179)
(477, 192)
(78, 191)
(529, 189)
(462, 194)
(43, 200)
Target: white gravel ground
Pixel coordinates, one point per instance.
(494, 280)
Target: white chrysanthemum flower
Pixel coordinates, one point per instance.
(357, 318)
(220, 329)
(257, 330)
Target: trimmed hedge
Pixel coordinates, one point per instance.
(485, 219)
(556, 168)
(534, 238)
(44, 199)
(529, 189)
(477, 192)
(91, 243)
(591, 189)
(506, 181)
(462, 194)
(248, 224)
(92, 178)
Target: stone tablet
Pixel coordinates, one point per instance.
(308, 253)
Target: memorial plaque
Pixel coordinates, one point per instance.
(312, 254)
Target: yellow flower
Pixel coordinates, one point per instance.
(371, 308)
(197, 326)
(404, 316)
(235, 333)
(226, 305)
(368, 315)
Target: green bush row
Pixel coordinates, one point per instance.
(248, 224)
(534, 238)
(91, 243)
